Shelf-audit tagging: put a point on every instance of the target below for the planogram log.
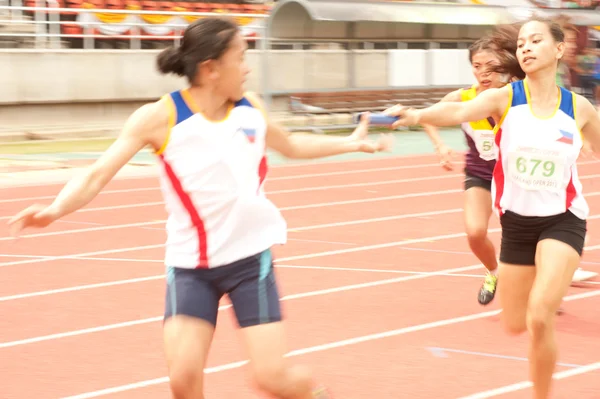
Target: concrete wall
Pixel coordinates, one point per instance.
(48, 86)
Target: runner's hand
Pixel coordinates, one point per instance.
(362, 130)
(36, 216)
(407, 116)
(445, 153)
(384, 143)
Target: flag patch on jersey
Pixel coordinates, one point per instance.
(565, 137)
(250, 133)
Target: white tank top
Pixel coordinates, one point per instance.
(536, 170)
(212, 183)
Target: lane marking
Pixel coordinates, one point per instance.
(349, 342)
(307, 294)
(156, 187)
(284, 208)
(519, 386)
(54, 233)
(443, 352)
(74, 256)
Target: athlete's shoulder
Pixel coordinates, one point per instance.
(454, 96)
(503, 93)
(151, 115)
(583, 101)
(149, 123)
(255, 101)
(584, 109)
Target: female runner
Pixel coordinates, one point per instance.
(210, 139)
(535, 187)
(484, 54)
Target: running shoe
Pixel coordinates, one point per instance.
(488, 289)
(583, 275)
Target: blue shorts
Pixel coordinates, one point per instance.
(249, 283)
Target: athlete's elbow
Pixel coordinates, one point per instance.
(77, 193)
(290, 152)
(283, 142)
(95, 179)
(291, 148)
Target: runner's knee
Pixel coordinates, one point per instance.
(539, 317)
(476, 234)
(269, 378)
(186, 343)
(538, 323)
(186, 380)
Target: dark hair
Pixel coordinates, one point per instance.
(502, 41)
(482, 44)
(554, 26)
(203, 40)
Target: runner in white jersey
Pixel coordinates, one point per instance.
(211, 140)
(536, 189)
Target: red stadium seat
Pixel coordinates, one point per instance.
(148, 5)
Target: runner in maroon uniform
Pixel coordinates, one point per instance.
(485, 55)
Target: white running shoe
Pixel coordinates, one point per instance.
(583, 275)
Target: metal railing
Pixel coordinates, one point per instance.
(47, 24)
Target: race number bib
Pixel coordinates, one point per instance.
(484, 141)
(534, 169)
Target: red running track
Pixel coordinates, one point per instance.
(82, 300)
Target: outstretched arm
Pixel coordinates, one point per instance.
(307, 145)
(431, 130)
(491, 102)
(138, 132)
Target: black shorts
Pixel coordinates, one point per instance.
(474, 181)
(249, 283)
(520, 235)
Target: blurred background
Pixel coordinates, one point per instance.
(75, 68)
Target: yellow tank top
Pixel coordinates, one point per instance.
(480, 132)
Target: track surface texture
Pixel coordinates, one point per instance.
(379, 292)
